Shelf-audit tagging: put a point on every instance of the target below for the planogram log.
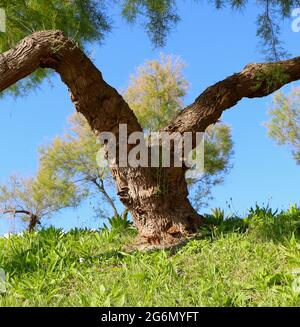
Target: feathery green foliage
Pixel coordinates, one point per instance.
(73, 159)
(91, 20)
(84, 21)
(218, 147)
(270, 76)
(284, 123)
(41, 196)
(158, 17)
(155, 93)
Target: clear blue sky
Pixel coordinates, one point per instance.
(214, 44)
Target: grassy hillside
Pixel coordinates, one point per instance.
(235, 262)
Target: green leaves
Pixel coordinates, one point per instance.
(284, 123)
(118, 223)
(271, 14)
(2, 281)
(159, 17)
(270, 76)
(85, 21)
(88, 21)
(71, 159)
(218, 153)
(156, 92)
(41, 196)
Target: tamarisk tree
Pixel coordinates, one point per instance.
(73, 158)
(284, 123)
(34, 198)
(166, 216)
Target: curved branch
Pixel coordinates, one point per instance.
(100, 186)
(105, 109)
(254, 81)
(101, 104)
(25, 212)
(33, 219)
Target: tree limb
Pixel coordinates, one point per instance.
(101, 104)
(25, 212)
(100, 186)
(254, 81)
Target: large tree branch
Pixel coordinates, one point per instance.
(255, 80)
(15, 211)
(101, 104)
(105, 109)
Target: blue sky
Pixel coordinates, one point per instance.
(214, 44)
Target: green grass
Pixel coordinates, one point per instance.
(236, 262)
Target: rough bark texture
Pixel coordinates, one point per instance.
(254, 81)
(156, 198)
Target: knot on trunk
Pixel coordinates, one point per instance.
(124, 196)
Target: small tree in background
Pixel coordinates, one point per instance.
(32, 199)
(217, 163)
(284, 123)
(155, 93)
(73, 158)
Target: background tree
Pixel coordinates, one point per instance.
(218, 147)
(73, 158)
(156, 92)
(32, 199)
(284, 123)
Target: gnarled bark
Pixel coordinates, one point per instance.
(158, 201)
(159, 206)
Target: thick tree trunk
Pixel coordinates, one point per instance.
(158, 201)
(33, 222)
(156, 198)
